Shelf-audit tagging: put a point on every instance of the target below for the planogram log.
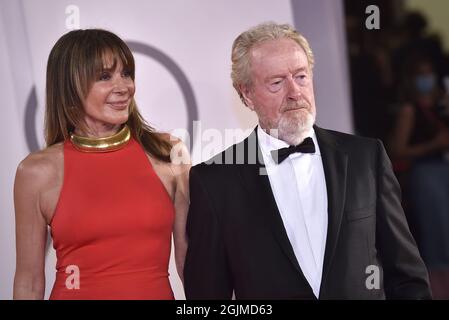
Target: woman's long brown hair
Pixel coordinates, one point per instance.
(73, 65)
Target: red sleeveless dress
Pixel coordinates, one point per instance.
(112, 227)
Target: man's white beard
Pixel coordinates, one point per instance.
(293, 129)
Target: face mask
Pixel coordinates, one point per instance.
(425, 83)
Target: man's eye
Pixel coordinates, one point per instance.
(276, 82)
(302, 79)
(275, 85)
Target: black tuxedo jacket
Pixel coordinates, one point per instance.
(237, 240)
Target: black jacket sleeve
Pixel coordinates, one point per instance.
(405, 275)
(206, 272)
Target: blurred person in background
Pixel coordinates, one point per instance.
(421, 137)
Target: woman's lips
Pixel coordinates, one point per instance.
(119, 105)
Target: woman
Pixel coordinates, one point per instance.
(105, 184)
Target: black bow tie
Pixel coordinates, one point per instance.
(307, 146)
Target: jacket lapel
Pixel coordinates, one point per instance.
(335, 164)
(259, 190)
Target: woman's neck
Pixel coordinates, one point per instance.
(96, 143)
(98, 131)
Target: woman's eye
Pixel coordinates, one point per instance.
(105, 76)
(126, 73)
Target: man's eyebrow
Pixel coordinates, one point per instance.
(276, 76)
(280, 75)
(300, 69)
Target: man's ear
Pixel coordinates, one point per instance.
(247, 96)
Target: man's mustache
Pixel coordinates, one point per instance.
(297, 105)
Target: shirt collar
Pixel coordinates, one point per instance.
(269, 143)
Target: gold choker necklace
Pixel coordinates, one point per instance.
(106, 144)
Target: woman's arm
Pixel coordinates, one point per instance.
(31, 230)
(181, 166)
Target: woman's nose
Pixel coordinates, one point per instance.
(120, 85)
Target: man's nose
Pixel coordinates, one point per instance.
(294, 90)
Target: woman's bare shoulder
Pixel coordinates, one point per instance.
(43, 164)
(179, 154)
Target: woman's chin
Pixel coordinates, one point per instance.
(117, 120)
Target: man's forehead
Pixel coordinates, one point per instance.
(275, 46)
(278, 55)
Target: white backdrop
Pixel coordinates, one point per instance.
(182, 51)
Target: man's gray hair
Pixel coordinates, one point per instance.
(247, 40)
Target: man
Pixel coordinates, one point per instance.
(319, 220)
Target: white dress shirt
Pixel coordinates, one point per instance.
(299, 187)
